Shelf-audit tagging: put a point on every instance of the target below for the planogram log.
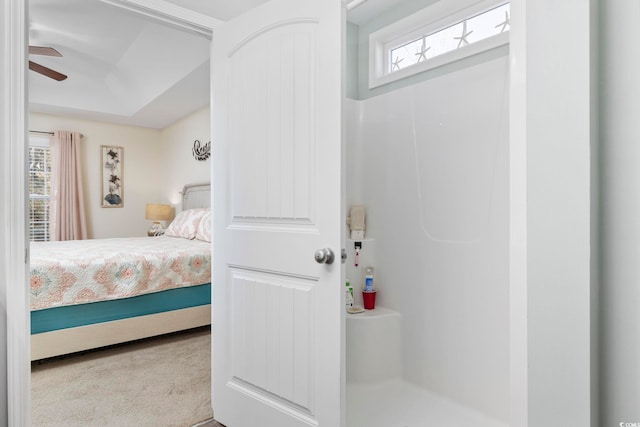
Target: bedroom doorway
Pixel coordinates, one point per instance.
(143, 111)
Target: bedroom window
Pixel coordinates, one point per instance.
(426, 40)
(39, 188)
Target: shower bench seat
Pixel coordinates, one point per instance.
(374, 346)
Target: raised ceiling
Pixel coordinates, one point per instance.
(121, 67)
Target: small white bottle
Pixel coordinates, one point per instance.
(368, 279)
(348, 296)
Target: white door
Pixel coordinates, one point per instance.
(277, 313)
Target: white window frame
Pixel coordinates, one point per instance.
(427, 21)
(40, 142)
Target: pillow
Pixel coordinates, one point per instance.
(204, 228)
(186, 223)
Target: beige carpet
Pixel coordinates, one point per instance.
(164, 381)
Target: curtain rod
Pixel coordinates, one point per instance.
(47, 133)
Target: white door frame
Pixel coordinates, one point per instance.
(14, 288)
(13, 210)
(518, 303)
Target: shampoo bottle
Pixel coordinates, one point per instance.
(349, 295)
(368, 279)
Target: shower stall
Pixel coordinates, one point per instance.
(429, 160)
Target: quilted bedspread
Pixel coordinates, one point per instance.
(82, 271)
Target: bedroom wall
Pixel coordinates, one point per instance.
(178, 165)
(142, 176)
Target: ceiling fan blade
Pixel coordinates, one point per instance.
(46, 71)
(40, 50)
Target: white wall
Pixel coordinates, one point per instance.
(178, 165)
(142, 175)
(430, 163)
(620, 211)
(552, 63)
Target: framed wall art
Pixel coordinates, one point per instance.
(112, 184)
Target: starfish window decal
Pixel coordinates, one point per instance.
(504, 24)
(463, 37)
(421, 54)
(466, 33)
(395, 65)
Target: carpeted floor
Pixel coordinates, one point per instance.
(164, 381)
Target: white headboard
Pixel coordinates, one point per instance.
(196, 196)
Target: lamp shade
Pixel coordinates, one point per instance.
(157, 212)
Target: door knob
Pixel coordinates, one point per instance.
(324, 256)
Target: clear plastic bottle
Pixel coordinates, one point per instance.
(368, 279)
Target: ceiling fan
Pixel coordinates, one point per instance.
(45, 71)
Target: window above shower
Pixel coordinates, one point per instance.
(435, 36)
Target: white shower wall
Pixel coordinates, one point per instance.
(430, 163)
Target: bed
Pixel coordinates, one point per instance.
(93, 293)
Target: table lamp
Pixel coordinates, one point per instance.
(156, 213)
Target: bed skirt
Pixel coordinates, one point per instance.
(62, 330)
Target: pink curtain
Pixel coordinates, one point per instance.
(67, 216)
